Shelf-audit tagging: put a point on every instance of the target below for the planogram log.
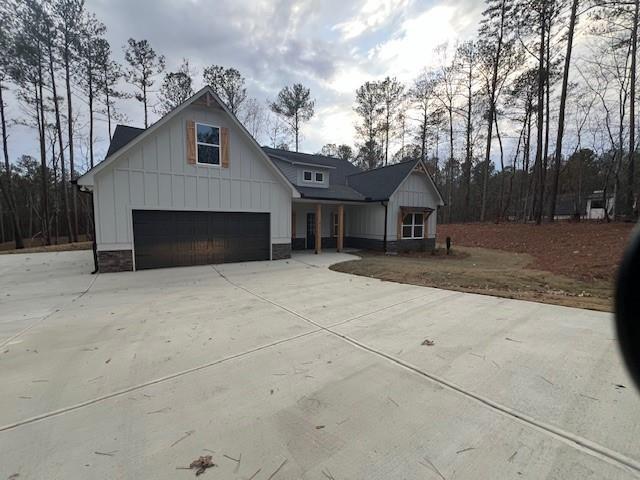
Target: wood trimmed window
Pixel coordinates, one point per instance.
(207, 144)
(412, 225)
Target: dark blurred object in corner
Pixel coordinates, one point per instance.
(628, 306)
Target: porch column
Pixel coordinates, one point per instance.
(318, 228)
(340, 227)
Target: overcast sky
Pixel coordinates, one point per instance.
(332, 46)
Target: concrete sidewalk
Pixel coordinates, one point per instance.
(132, 375)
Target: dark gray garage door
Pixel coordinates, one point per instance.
(171, 239)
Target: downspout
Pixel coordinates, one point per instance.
(384, 241)
(94, 243)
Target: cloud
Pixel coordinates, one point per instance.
(331, 46)
(371, 15)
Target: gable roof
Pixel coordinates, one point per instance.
(135, 137)
(380, 183)
(122, 135)
(340, 167)
(346, 181)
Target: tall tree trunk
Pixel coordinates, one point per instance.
(450, 167)
(56, 202)
(63, 175)
(492, 111)
(524, 184)
(514, 165)
(144, 100)
(72, 173)
(629, 197)
(90, 80)
(468, 155)
(501, 199)
(296, 128)
(386, 138)
(7, 192)
(106, 94)
(563, 102)
(540, 109)
(423, 131)
(44, 200)
(545, 156)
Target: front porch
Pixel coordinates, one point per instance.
(325, 225)
(318, 226)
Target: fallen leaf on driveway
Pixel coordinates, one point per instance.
(428, 343)
(201, 464)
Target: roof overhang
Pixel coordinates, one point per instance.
(211, 100)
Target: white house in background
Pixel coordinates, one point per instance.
(596, 205)
(195, 188)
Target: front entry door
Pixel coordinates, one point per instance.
(311, 231)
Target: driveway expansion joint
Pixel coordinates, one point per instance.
(575, 441)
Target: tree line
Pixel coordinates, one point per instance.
(59, 68)
(507, 122)
(514, 119)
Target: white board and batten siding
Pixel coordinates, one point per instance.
(367, 221)
(415, 191)
(154, 174)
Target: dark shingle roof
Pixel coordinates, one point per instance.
(380, 183)
(122, 135)
(340, 168)
(334, 192)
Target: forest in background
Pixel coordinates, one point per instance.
(540, 105)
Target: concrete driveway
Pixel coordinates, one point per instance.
(287, 370)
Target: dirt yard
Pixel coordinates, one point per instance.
(484, 271)
(563, 263)
(35, 247)
(583, 251)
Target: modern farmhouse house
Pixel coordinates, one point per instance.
(196, 188)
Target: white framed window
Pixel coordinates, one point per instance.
(334, 224)
(207, 144)
(312, 176)
(413, 225)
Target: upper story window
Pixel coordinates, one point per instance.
(312, 176)
(207, 144)
(413, 225)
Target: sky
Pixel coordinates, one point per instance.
(331, 46)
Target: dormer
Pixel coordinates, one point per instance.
(310, 175)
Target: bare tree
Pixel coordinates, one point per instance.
(447, 92)
(6, 182)
(176, 88)
(391, 96)
(68, 16)
(228, 84)
(369, 108)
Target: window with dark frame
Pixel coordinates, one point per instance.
(319, 177)
(307, 175)
(413, 226)
(207, 144)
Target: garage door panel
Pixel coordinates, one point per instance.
(183, 238)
